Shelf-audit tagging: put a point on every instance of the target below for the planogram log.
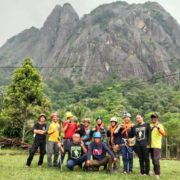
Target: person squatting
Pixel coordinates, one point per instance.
(92, 147)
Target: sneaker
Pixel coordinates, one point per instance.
(125, 172)
(157, 176)
(27, 166)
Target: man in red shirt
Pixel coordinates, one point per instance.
(69, 129)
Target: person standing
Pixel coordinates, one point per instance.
(157, 132)
(69, 129)
(100, 127)
(84, 131)
(52, 146)
(114, 142)
(39, 130)
(142, 132)
(126, 150)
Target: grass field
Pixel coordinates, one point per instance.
(12, 167)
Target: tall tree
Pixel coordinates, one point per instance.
(24, 98)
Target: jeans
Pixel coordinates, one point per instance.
(156, 155)
(127, 156)
(52, 148)
(143, 154)
(36, 144)
(73, 162)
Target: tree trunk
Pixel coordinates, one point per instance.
(23, 132)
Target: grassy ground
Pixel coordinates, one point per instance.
(12, 167)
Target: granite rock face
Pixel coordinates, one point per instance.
(126, 40)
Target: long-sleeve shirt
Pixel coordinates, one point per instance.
(98, 151)
(142, 132)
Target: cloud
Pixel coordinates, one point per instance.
(17, 15)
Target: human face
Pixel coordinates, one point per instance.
(126, 120)
(86, 123)
(139, 119)
(154, 120)
(76, 138)
(113, 123)
(97, 140)
(99, 122)
(54, 118)
(42, 119)
(70, 118)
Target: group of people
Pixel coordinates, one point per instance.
(90, 148)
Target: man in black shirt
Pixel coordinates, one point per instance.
(76, 152)
(39, 141)
(142, 132)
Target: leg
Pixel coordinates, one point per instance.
(116, 152)
(146, 159)
(56, 155)
(32, 152)
(50, 146)
(70, 164)
(139, 152)
(156, 155)
(42, 152)
(130, 160)
(125, 158)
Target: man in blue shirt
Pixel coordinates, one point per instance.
(98, 150)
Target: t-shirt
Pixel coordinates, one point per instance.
(98, 151)
(54, 131)
(142, 132)
(156, 137)
(75, 151)
(71, 129)
(38, 126)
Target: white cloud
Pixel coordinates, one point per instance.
(17, 15)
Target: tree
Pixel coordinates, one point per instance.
(24, 100)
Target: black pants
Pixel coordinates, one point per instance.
(66, 143)
(143, 154)
(156, 156)
(36, 144)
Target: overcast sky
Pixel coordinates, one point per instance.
(17, 15)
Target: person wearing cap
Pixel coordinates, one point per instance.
(76, 152)
(157, 132)
(98, 150)
(142, 133)
(69, 128)
(114, 142)
(125, 129)
(39, 130)
(52, 146)
(84, 131)
(100, 127)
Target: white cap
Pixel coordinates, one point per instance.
(113, 119)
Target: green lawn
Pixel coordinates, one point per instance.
(12, 167)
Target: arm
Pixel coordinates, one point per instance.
(117, 129)
(36, 131)
(148, 133)
(65, 126)
(50, 130)
(83, 147)
(108, 150)
(161, 130)
(89, 153)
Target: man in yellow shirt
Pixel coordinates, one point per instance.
(157, 132)
(52, 145)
